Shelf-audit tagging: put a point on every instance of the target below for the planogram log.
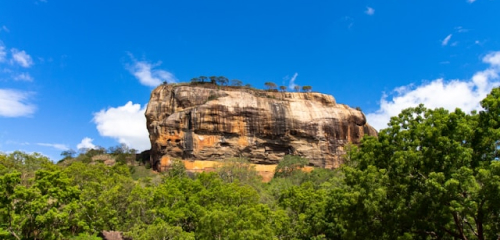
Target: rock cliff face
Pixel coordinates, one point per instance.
(211, 123)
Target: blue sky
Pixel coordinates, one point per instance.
(79, 73)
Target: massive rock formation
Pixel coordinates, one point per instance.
(207, 122)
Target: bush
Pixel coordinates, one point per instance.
(290, 165)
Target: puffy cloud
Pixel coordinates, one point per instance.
(13, 103)
(463, 94)
(23, 77)
(370, 11)
(86, 143)
(446, 40)
(493, 59)
(147, 75)
(125, 123)
(57, 146)
(21, 58)
(292, 84)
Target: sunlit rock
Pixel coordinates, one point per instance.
(207, 122)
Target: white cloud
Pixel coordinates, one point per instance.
(460, 29)
(3, 54)
(370, 11)
(147, 75)
(493, 59)
(14, 103)
(471, 1)
(17, 143)
(292, 84)
(463, 94)
(21, 58)
(57, 146)
(125, 123)
(86, 143)
(446, 40)
(23, 77)
(4, 28)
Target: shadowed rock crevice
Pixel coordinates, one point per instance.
(200, 123)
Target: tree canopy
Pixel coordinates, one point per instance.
(431, 174)
(270, 85)
(306, 88)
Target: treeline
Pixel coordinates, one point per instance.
(120, 153)
(432, 174)
(224, 81)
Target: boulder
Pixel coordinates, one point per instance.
(193, 122)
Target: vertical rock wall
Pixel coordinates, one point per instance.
(208, 123)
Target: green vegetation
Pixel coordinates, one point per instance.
(236, 83)
(432, 174)
(270, 86)
(224, 81)
(296, 88)
(306, 88)
(212, 97)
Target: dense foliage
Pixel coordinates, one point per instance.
(432, 174)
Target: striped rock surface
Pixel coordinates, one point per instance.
(208, 123)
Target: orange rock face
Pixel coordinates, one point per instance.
(207, 123)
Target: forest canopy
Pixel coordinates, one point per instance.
(431, 174)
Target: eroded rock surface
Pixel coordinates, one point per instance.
(213, 123)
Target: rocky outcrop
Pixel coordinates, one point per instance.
(211, 123)
(113, 235)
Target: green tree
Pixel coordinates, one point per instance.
(213, 79)
(104, 191)
(421, 178)
(203, 78)
(239, 169)
(270, 85)
(68, 154)
(306, 88)
(195, 80)
(8, 227)
(159, 230)
(487, 132)
(236, 222)
(283, 88)
(222, 80)
(177, 169)
(44, 210)
(296, 88)
(290, 165)
(236, 83)
(26, 164)
(306, 209)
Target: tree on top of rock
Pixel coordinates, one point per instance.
(202, 78)
(306, 88)
(213, 79)
(296, 88)
(283, 88)
(222, 80)
(270, 85)
(236, 83)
